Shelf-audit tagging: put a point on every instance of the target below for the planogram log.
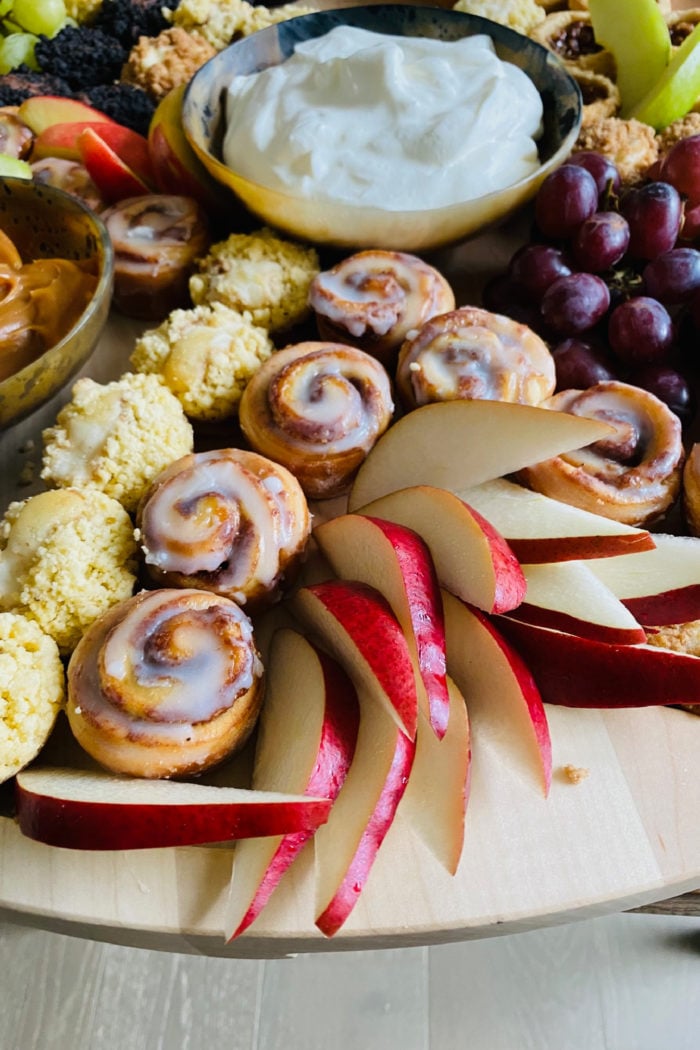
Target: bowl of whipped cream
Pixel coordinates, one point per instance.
(390, 126)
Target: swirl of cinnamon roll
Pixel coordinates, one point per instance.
(317, 408)
(633, 476)
(471, 353)
(373, 299)
(166, 683)
(227, 521)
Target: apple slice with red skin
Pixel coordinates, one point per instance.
(39, 112)
(579, 672)
(540, 529)
(568, 596)
(471, 558)
(81, 809)
(114, 179)
(356, 624)
(306, 740)
(396, 562)
(435, 800)
(502, 697)
(457, 444)
(62, 140)
(660, 586)
(361, 815)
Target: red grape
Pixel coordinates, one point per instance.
(681, 167)
(574, 304)
(535, 266)
(640, 332)
(673, 276)
(670, 387)
(654, 212)
(603, 170)
(579, 365)
(601, 241)
(566, 197)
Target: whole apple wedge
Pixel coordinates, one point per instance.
(80, 809)
(569, 597)
(660, 586)
(358, 627)
(471, 558)
(456, 444)
(504, 702)
(397, 563)
(113, 177)
(436, 797)
(578, 672)
(307, 735)
(540, 529)
(361, 815)
(636, 33)
(39, 112)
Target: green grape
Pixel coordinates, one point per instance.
(5, 7)
(16, 49)
(40, 16)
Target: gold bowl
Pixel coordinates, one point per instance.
(352, 226)
(45, 223)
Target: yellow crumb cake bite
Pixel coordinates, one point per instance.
(32, 688)
(205, 356)
(67, 556)
(259, 275)
(116, 437)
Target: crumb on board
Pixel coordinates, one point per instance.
(575, 774)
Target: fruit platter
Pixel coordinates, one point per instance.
(463, 701)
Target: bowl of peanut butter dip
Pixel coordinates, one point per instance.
(388, 126)
(56, 267)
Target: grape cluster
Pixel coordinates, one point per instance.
(22, 22)
(611, 277)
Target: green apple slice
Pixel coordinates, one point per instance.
(14, 167)
(677, 91)
(636, 33)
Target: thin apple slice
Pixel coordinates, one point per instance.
(39, 112)
(636, 33)
(114, 179)
(306, 740)
(674, 94)
(362, 814)
(502, 697)
(435, 800)
(80, 809)
(396, 562)
(357, 625)
(62, 140)
(541, 529)
(457, 444)
(578, 672)
(471, 558)
(660, 586)
(569, 597)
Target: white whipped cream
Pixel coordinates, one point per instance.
(401, 123)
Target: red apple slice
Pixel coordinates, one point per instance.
(357, 625)
(307, 734)
(660, 586)
(62, 140)
(435, 800)
(504, 703)
(578, 672)
(115, 180)
(569, 597)
(396, 562)
(541, 529)
(471, 558)
(39, 112)
(78, 809)
(362, 814)
(457, 444)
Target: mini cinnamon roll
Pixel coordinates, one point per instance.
(317, 408)
(373, 299)
(634, 476)
(473, 354)
(691, 490)
(165, 684)
(156, 240)
(227, 521)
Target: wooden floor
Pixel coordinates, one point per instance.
(623, 982)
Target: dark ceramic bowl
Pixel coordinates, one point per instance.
(353, 226)
(46, 223)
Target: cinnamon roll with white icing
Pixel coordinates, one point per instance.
(634, 476)
(472, 353)
(228, 521)
(373, 299)
(318, 408)
(165, 684)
